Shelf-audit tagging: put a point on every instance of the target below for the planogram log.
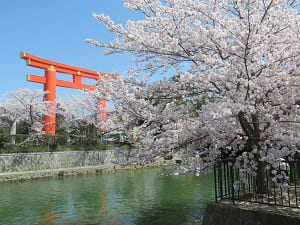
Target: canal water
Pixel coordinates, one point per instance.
(132, 197)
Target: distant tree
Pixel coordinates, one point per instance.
(65, 115)
(26, 105)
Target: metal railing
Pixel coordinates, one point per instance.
(277, 186)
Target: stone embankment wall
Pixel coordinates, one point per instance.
(24, 166)
(54, 160)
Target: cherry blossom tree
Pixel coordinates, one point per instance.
(235, 95)
(89, 108)
(66, 115)
(26, 105)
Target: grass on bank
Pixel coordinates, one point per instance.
(19, 144)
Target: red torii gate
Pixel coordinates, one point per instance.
(50, 82)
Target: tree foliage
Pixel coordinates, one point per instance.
(239, 59)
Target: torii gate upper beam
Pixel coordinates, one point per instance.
(50, 82)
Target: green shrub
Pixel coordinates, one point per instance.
(61, 173)
(99, 170)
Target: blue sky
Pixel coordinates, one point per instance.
(56, 30)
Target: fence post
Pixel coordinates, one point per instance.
(220, 180)
(215, 179)
(232, 182)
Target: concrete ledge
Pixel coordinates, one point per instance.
(244, 213)
(27, 175)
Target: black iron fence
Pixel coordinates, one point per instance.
(273, 186)
(26, 143)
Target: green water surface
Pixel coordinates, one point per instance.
(132, 197)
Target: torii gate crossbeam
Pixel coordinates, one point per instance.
(50, 82)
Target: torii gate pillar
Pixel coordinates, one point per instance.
(50, 96)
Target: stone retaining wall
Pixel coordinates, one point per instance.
(225, 213)
(53, 160)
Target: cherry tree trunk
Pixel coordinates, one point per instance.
(261, 181)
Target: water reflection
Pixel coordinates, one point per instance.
(48, 218)
(133, 197)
